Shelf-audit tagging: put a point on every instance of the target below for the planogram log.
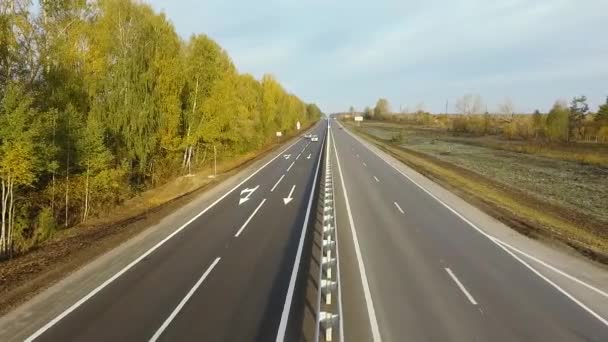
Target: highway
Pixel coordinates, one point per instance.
(229, 274)
(414, 270)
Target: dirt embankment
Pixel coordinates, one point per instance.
(26, 275)
(522, 210)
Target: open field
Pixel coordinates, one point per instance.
(541, 192)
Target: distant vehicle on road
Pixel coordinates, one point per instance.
(307, 136)
(314, 138)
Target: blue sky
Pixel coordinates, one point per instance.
(413, 52)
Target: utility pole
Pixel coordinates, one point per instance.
(446, 106)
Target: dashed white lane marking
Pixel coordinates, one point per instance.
(277, 183)
(399, 208)
(183, 302)
(462, 288)
(289, 168)
(249, 219)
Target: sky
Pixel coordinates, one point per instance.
(415, 53)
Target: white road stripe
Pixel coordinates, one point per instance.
(74, 306)
(462, 288)
(183, 302)
(249, 219)
(289, 168)
(377, 180)
(357, 155)
(371, 312)
(504, 245)
(398, 207)
(296, 265)
(298, 157)
(364, 164)
(277, 183)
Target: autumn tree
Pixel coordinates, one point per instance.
(578, 112)
(558, 122)
(382, 108)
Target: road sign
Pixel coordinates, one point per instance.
(358, 118)
(279, 134)
(298, 125)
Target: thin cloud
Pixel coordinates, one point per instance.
(342, 53)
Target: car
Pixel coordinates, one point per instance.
(307, 136)
(314, 138)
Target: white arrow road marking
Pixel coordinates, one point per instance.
(184, 301)
(462, 288)
(277, 183)
(288, 199)
(287, 156)
(309, 156)
(249, 192)
(249, 219)
(398, 207)
(290, 166)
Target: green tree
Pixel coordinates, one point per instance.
(578, 112)
(18, 152)
(368, 113)
(602, 114)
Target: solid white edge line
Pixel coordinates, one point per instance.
(498, 242)
(341, 318)
(398, 207)
(277, 183)
(296, 266)
(181, 304)
(371, 312)
(289, 168)
(462, 288)
(554, 269)
(249, 219)
(74, 306)
(557, 287)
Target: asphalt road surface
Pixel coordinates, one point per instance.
(228, 275)
(418, 272)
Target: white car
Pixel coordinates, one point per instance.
(314, 138)
(307, 136)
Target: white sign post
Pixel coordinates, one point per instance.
(279, 134)
(298, 125)
(358, 120)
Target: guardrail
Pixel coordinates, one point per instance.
(329, 320)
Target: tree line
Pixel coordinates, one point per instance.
(101, 99)
(565, 122)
